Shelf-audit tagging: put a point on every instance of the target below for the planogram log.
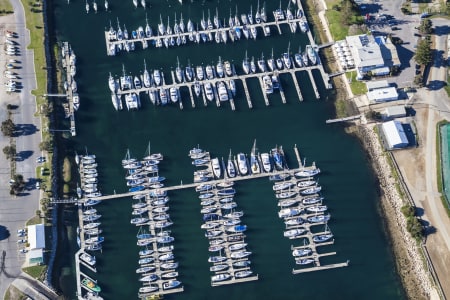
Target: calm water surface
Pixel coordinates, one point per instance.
(348, 185)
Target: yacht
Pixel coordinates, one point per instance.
(189, 72)
(246, 64)
(268, 87)
(242, 164)
(146, 77)
(132, 101)
(311, 54)
(228, 68)
(222, 91)
(112, 83)
(137, 83)
(197, 88)
(266, 163)
(298, 59)
(219, 68)
(163, 96)
(200, 73)
(209, 72)
(157, 77)
(262, 64)
(232, 86)
(217, 170)
(209, 91)
(286, 60)
(220, 277)
(174, 94)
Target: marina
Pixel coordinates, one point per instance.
(70, 85)
(118, 40)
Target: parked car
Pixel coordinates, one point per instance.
(23, 241)
(23, 250)
(40, 159)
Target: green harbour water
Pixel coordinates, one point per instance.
(349, 187)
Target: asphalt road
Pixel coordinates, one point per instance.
(15, 211)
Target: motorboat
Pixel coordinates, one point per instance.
(294, 221)
(200, 73)
(209, 72)
(242, 274)
(241, 263)
(237, 228)
(174, 94)
(112, 83)
(220, 68)
(169, 266)
(293, 233)
(157, 77)
(234, 215)
(197, 88)
(132, 101)
(165, 239)
(278, 158)
(166, 256)
(206, 195)
(307, 172)
(95, 240)
(242, 164)
(232, 86)
(284, 195)
(319, 218)
(213, 233)
(208, 91)
(86, 282)
(217, 170)
(137, 221)
(312, 200)
(289, 212)
(145, 252)
(305, 183)
(220, 277)
(226, 192)
(267, 83)
(317, 208)
(305, 261)
(222, 91)
(288, 202)
(266, 163)
(210, 225)
(208, 202)
(204, 187)
(231, 222)
(301, 252)
(215, 259)
(164, 249)
(219, 267)
(148, 289)
(231, 170)
(240, 254)
(163, 96)
(215, 248)
(322, 237)
(93, 231)
(89, 259)
(237, 246)
(149, 278)
(168, 275)
(91, 218)
(311, 190)
(282, 185)
(137, 83)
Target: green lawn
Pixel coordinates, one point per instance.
(35, 271)
(358, 87)
(338, 30)
(5, 7)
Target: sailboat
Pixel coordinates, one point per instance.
(106, 5)
(146, 76)
(231, 169)
(271, 63)
(94, 5)
(254, 163)
(135, 3)
(87, 7)
(246, 64)
(263, 13)
(286, 58)
(258, 15)
(143, 3)
(179, 72)
(155, 156)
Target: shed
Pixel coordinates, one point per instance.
(36, 236)
(383, 95)
(392, 112)
(373, 85)
(394, 135)
(35, 256)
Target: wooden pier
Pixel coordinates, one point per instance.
(70, 92)
(297, 87)
(346, 119)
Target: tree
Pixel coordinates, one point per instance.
(46, 145)
(418, 80)
(426, 26)
(10, 151)
(423, 53)
(18, 184)
(8, 127)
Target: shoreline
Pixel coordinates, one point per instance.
(409, 260)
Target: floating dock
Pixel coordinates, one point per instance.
(69, 109)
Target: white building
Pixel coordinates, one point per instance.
(382, 95)
(36, 236)
(379, 84)
(394, 135)
(393, 112)
(36, 240)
